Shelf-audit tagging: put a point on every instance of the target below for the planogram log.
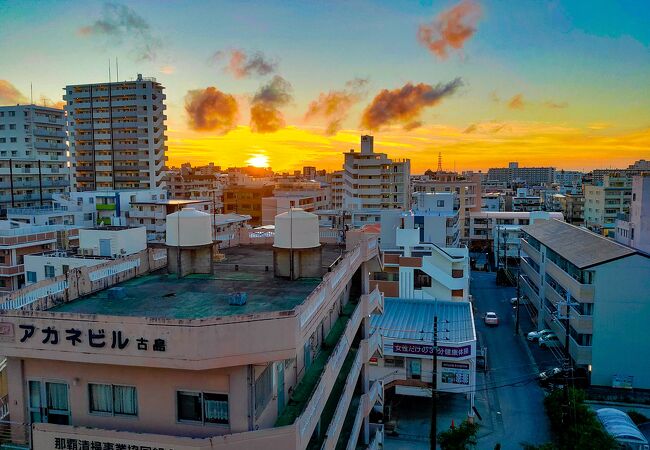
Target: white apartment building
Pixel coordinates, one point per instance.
(307, 195)
(493, 201)
(466, 187)
(33, 155)
(634, 228)
(18, 240)
(524, 202)
(531, 176)
(606, 284)
(603, 203)
(96, 246)
(482, 225)
(117, 134)
(152, 214)
(373, 180)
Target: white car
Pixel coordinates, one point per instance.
(491, 319)
(513, 301)
(535, 335)
(549, 340)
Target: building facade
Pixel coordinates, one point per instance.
(33, 155)
(603, 203)
(604, 285)
(633, 229)
(530, 176)
(117, 134)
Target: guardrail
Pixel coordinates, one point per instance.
(18, 434)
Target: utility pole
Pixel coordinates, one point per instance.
(567, 366)
(434, 400)
(518, 291)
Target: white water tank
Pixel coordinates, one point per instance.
(194, 228)
(296, 229)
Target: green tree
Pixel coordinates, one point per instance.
(461, 437)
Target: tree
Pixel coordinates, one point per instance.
(461, 437)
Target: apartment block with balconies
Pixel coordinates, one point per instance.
(604, 203)
(606, 287)
(117, 134)
(33, 155)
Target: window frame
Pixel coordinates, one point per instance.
(112, 413)
(201, 422)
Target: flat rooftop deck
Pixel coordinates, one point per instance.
(201, 296)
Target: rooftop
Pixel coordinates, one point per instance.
(199, 296)
(167, 202)
(578, 245)
(413, 320)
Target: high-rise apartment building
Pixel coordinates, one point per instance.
(373, 180)
(604, 203)
(117, 134)
(467, 188)
(531, 176)
(633, 229)
(33, 159)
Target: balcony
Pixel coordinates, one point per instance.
(582, 292)
(581, 354)
(105, 206)
(530, 251)
(583, 324)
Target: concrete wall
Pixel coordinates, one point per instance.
(620, 321)
(37, 263)
(123, 242)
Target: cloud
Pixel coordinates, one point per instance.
(404, 105)
(450, 29)
(492, 127)
(555, 105)
(118, 23)
(266, 116)
(517, 102)
(10, 95)
(494, 96)
(210, 109)
(242, 65)
(334, 106)
(167, 70)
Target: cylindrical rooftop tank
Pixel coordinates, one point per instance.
(194, 228)
(296, 229)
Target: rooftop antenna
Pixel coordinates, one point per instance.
(109, 70)
(117, 70)
(31, 93)
(439, 161)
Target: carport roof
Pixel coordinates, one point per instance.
(412, 319)
(620, 425)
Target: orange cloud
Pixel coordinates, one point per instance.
(450, 29)
(242, 65)
(517, 102)
(168, 70)
(210, 109)
(555, 105)
(9, 94)
(404, 105)
(266, 116)
(335, 105)
(46, 101)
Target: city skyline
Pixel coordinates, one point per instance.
(545, 84)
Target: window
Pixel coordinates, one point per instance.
(263, 389)
(12, 113)
(12, 126)
(112, 399)
(49, 271)
(3, 140)
(31, 276)
(202, 407)
(13, 139)
(441, 203)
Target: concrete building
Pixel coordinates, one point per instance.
(506, 239)
(246, 200)
(605, 202)
(96, 246)
(33, 158)
(530, 176)
(493, 201)
(467, 189)
(307, 195)
(572, 208)
(568, 178)
(482, 226)
(407, 366)
(606, 285)
(117, 134)
(309, 172)
(640, 166)
(18, 240)
(524, 202)
(373, 180)
(634, 228)
(240, 360)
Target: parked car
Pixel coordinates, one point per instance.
(535, 335)
(513, 301)
(551, 376)
(549, 340)
(491, 319)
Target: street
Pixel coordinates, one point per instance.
(515, 400)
